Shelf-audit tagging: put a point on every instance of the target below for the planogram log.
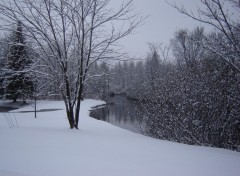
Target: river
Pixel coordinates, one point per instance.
(120, 112)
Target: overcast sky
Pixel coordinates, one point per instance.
(162, 23)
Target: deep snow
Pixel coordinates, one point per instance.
(45, 146)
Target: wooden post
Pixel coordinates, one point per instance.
(35, 107)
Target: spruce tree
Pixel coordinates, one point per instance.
(17, 82)
(2, 58)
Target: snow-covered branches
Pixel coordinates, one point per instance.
(16, 75)
(216, 13)
(194, 100)
(70, 35)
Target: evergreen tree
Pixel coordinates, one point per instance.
(17, 81)
(2, 58)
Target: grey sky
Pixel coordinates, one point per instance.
(162, 23)
(160, 26)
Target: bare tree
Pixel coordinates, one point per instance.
(187, 48)
(223, 15)
(71, 35)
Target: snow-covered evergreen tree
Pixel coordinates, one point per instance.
(2, 58)
(17, 80)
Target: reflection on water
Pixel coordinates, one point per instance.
(120, 113)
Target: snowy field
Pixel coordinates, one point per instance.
(47, 147)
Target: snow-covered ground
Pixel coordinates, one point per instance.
(45, 146)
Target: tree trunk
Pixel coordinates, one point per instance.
(14, 99)
(77, 112)
(71, 117)
(79, 99)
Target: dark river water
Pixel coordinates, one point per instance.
(120, 112)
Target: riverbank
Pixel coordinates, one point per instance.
(45, 146)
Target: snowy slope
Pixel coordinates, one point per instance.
(46, 147)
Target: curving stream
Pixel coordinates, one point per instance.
(120, 112)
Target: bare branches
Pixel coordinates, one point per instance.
(216, 13)
(71, 35)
